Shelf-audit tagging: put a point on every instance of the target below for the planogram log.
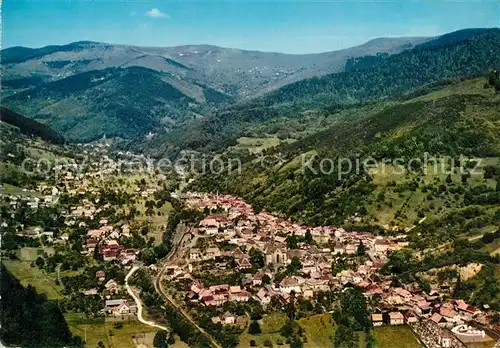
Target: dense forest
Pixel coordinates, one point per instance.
(398, 73)
(23, 82)
(115, 102)
(124, 102)
(30, 127)
(28, 319)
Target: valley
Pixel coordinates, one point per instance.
(200, 196)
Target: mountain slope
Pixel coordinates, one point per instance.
(30, 127)
(398, 73)
(460, 119)
(125, 102)
(237, 72)
(382, 77)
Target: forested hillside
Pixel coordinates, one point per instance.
(20, 54)
(461, 119)
(30, 127)
(427, 63)
(113, 102)
(366, 79)
(29, 320)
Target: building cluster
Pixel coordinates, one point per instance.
(234, 222)
(119, 307)
(104, 241)
(73, 193)
(229, 319)
(231, 221)
(32, 199)
(110, 292)
(83, 184)
(216, 295)
(234, 231)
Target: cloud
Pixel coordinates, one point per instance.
(156, 13)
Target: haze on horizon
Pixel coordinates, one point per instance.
(275, 26)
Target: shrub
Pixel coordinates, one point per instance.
(268, 343)
(254, 328)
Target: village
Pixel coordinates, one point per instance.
(229, 260)
(96, 228)
(231, 229)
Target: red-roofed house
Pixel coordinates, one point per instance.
(100, 275)
(289, 284)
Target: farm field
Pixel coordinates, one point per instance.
(14, 190)
(98, 330)
(395, 337)
(435, 174)
(273, 322)
(319, 331)
(255, 145)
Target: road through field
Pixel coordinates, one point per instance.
(138, 302)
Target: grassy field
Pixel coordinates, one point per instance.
(14, 190)
(319, 330)
(256, 145)
(493, 248)
(395, 337)
(273, 322)
(104, 331)
(270, 326)
(274, 338)
(44, 283)
(407, 201)
(473, 86)
(30, 254)
(489, 344)
(157, 222)
(99, 330)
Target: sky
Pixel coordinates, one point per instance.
(290, 26)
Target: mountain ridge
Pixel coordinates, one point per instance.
(210, 78)
(384, 78)
(210, 46)
(240, 73)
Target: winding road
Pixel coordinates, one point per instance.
(166, 297)
(139, 303)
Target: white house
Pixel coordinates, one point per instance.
(194, 254)
(289, 284)
(445, 339)
(396, 318)
(228, 319)
(117, 307)
(263, 296)
(377, 319)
